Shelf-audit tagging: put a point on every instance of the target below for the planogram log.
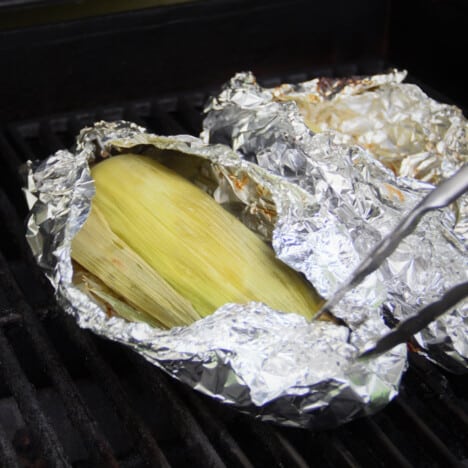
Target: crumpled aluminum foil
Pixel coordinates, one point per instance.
(357, 202)
(273, 365)
(397, 122)
(410, 133)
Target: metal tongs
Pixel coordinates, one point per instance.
(447, 192)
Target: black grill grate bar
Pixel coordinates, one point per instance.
(293, 454)
(76, 124)
(432, 441)
(190, 116)
(395, 457)
(110, 383)
(25, 396)
(13, 227)
(109, 113)
(164, 122)
(285, 454)
(133, 461)
(10, 178)
(457, 411)
(428, 376)
(9, 156)
(21, 144)
(51, 139)
(9, 318)
(336, 453)
(218, 432)
(191, 432)
(132, 114)
(7, 452)
(77, 410)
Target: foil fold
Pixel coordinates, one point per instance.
(358, 199)
(273, 365)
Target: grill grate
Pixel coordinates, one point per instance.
(69, 398)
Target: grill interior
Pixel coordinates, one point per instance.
(69, 398)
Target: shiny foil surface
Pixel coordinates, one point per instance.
(357, 199)
(397, 122)
(410, 133)
(273, 365)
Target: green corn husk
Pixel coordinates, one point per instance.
(201, 251)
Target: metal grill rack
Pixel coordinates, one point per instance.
(69, 398)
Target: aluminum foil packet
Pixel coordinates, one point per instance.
(273, 365)
(341, 141)
(397, 122)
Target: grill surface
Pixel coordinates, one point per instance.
(69, 398)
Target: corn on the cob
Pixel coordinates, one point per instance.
(203, 252)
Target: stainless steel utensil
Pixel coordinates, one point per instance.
(447, 192)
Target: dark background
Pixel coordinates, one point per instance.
(101, 59)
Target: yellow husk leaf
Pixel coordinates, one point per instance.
(203, 252)
(108, 257)
(108, 299)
